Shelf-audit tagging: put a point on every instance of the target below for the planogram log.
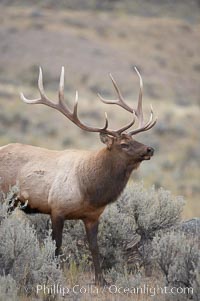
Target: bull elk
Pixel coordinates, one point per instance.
(76, 184)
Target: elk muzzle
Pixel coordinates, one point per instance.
(148, 154)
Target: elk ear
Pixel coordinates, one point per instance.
(106, 139)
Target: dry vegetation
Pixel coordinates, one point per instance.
(92, 39)
(143, 243)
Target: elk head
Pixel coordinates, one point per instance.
(123, 142)
(118, 141)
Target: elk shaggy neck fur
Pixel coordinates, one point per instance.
(105, 176)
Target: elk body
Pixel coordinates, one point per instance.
(76, 184)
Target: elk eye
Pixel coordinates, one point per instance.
(124, 145)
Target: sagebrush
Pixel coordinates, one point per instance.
(141, 230)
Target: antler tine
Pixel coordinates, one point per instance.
(151, 122)
(139, 112)
(120, 102)
(83, 126)
(116, 133)
(75, 105)
(147, 126)
(43, 98)
(40, 83)
(61, 85)
(126, 127)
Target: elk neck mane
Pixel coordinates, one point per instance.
(103, 176)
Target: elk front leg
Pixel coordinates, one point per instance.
(57, 229)
(91, 232)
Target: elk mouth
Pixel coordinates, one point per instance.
(146, 157)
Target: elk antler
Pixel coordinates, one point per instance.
(61, 107)
(138, 112)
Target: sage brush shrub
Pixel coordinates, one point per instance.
(112, 234)
(178, 257)
(151, 209)
(196, 282)
(137, 216)
(8, 289)
(22, 256)
(41, 223)
(74, 247)
(110, 237)
(128, 233)
(6, 201)
(132, 222)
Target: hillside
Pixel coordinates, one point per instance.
(163, 43)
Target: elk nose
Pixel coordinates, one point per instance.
(150, 151)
